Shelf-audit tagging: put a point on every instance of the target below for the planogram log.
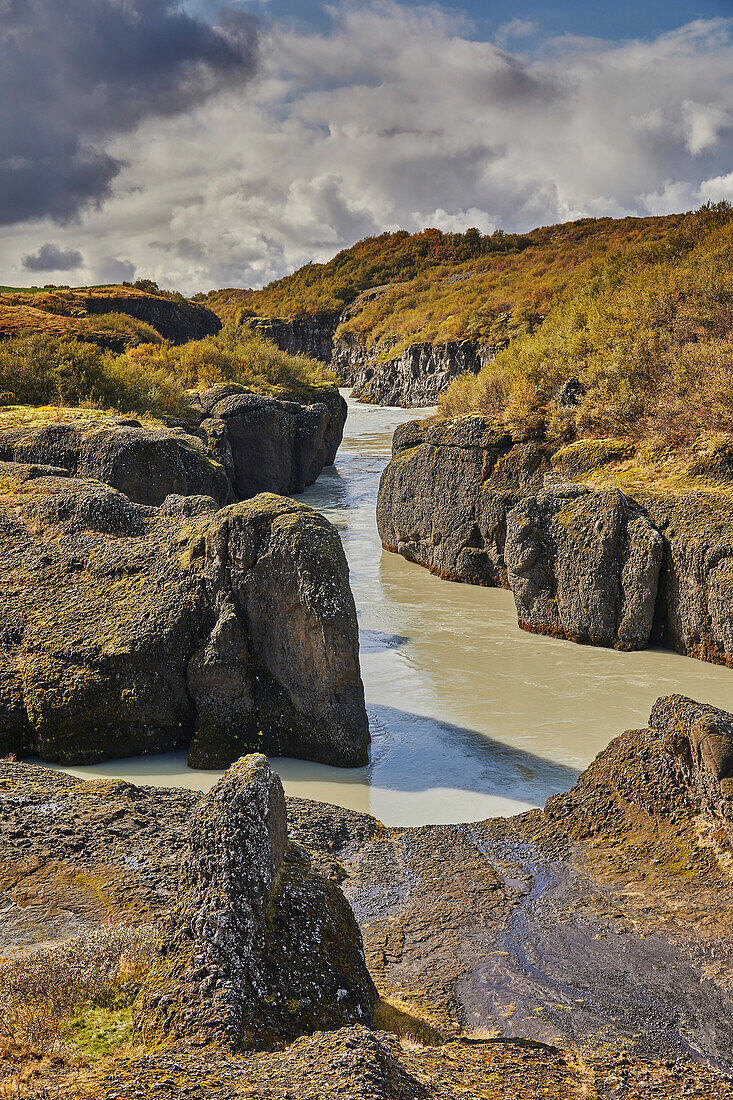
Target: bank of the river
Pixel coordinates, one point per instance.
(470, 717)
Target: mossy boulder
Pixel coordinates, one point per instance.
(261, 948)
(584, 565)
(129, 629)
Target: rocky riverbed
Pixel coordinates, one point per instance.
(579, 950)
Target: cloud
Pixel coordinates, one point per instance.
(111, 270)
(74, 74)
(392, 116)
(52, 258)
(515, 28)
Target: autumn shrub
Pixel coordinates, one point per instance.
(237, 354)
(648, 333)
(122, 327)
(46, 370)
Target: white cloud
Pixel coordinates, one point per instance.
(396, 118)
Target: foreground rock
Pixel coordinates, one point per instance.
(476, 504)
(244, 444)
(583, 949)
(128, 629)
(260, 948)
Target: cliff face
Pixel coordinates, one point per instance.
(599, 567)
(312, 336)
(129, 629)
(175, 319)
(414, 378)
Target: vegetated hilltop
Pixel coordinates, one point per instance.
(645, 342)
(435, 287)
(113, 316)
(43, 369)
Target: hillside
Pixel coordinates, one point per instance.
(436, 287)
(645, 341)
(113, 316)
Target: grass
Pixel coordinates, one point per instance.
(73, 996)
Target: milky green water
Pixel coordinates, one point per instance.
(470, 717)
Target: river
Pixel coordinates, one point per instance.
(470, 716)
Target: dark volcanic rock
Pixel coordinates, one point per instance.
(128, 629)
(584, 565)
(147, 464)
(311, 336)
(414, 378)
(245, 444)
(444, 498)
(260, 948)
(567, 951)
(473, 503)
(269, 445)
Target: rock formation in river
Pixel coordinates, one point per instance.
(475, 503)
(129, 629)
(583, 566)
(260, 948)
(558, 952)
(245, 444)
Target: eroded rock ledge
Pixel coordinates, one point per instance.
(129, 629)
(562, 951)
(473, 503)
(244, 444)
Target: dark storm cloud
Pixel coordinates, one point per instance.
(52, 258)
(76, 72)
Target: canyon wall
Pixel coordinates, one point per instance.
(599, 566)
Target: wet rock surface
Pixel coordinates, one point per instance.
(129, 629)
(580, 950)
(245, 444)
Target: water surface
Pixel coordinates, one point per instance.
(470, 716)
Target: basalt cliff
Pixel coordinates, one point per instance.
(585, 560)
(579, 950)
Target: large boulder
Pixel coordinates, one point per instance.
(444, 498)
(129, 629)
(272, 445)
(260, 948)
(145, 463)
(584, 566)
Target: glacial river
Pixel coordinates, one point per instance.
(470, 717)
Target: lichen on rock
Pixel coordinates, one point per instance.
(260, 948)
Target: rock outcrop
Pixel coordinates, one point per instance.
(477, 504)
(129, 629)
(584, 566)
(260, 948)
(414, 378)
(174, 317)
(567, 949)
(244, 444)
(308, 335)
(444, 498)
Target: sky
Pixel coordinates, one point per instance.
(205, 144)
